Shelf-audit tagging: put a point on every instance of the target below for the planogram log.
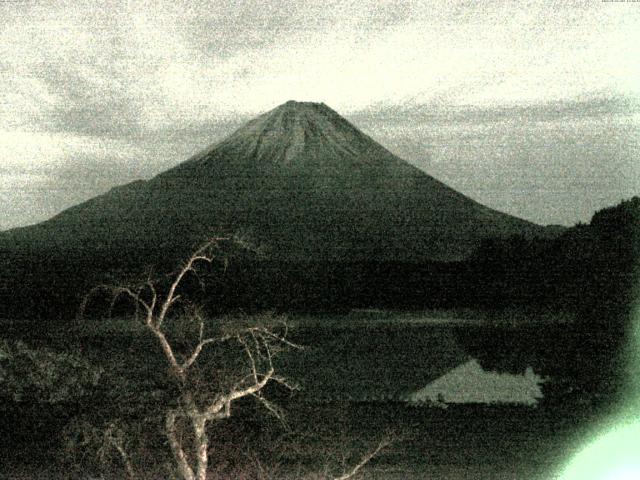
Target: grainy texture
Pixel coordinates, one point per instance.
(131, 130)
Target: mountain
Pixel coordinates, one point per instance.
(301, 182)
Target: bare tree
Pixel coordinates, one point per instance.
(206, 391)
(197, 406)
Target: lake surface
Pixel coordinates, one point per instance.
(358, 370)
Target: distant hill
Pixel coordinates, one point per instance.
(301, 182)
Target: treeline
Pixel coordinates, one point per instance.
(588, 268)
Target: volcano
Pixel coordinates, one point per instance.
(301, 182)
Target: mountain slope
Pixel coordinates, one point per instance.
(299, 180)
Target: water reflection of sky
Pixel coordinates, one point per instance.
(470, 383)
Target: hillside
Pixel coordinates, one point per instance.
(301, 182)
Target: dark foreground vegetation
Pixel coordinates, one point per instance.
(479, 442)
(351, 385)
(64, 380)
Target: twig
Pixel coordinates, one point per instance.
(366, 459)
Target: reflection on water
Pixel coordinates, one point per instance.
(470, 383)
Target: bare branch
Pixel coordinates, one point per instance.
(252, 361)
(198, 349)
(119, 291)
(236, 393)
(174, 300)
(255, 342)
(256, 387)
(200, 328)
(113, 437)
(199, 256)
(282, 339)
(274, 409)
(154, 299)
(268, 350)
(168, 352)
(285, 382)
(366, 459)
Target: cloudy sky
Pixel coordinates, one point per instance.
(532, 108)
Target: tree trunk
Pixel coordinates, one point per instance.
(184, 469)
(202, 446)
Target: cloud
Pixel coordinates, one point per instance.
(554, 162)
(136, 87)
(173, 61)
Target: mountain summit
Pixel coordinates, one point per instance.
(299, 180)
(301, 138)
(296, 132)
